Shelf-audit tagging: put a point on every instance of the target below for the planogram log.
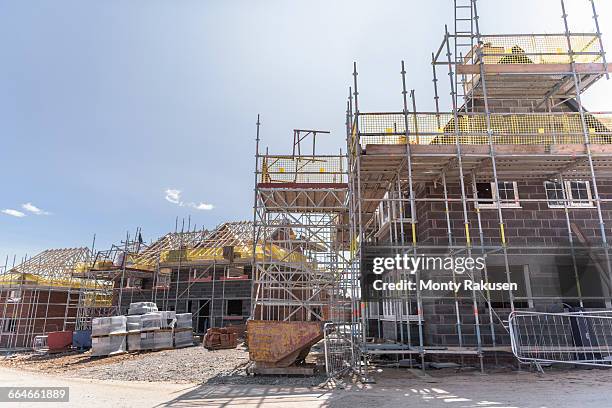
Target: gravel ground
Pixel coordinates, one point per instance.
(187, 365)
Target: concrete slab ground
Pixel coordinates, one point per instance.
(394, 388)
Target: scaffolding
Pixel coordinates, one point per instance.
(212, 278)
(300, 207)
(206, 273)
(42, 294)
(449, 183)
(134, 271)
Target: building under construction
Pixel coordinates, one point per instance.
(206, 273)
(510, 170)
(42, 295)
(516, 173)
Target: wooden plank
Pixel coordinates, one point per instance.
(570, 149)
(601, 149)
(594, 68)
(303, 185)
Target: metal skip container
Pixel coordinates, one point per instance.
(280, 344)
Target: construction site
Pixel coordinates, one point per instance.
(510, 169)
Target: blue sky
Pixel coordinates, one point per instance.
(106, 105)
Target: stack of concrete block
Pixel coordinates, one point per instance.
(134, 327)
(151, 321)
(168, 319)
(134, 323)
(183, 330)
(162, 339)
(184, 321)
(108, 335)
(152, 330)
(140, 308)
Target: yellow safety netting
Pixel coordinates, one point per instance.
(289, 169)
(425, 128)
(536, 49)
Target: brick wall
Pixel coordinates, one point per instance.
(35, 314)
(534, 223)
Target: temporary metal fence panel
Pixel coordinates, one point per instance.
(570, 338)
(341, 353)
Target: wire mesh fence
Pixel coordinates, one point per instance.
(573, 338)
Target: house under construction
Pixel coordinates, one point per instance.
(42, 295)
(515, 178)
(517, 173)
(206, 273)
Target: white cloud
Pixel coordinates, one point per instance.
(202, 206)
(174, 196)
(13, 213)
(33, 209)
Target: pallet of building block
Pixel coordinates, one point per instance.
(151, 321)
(239, 330)
(108, 345)
(141, 341)
(183, 338)
(184, 321)
(163, 339)
(105, 326)
(133, 341)
(168, 318)
(139, 308)
(134, 323)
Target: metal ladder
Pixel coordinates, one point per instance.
(72, 302)
(464, 42)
